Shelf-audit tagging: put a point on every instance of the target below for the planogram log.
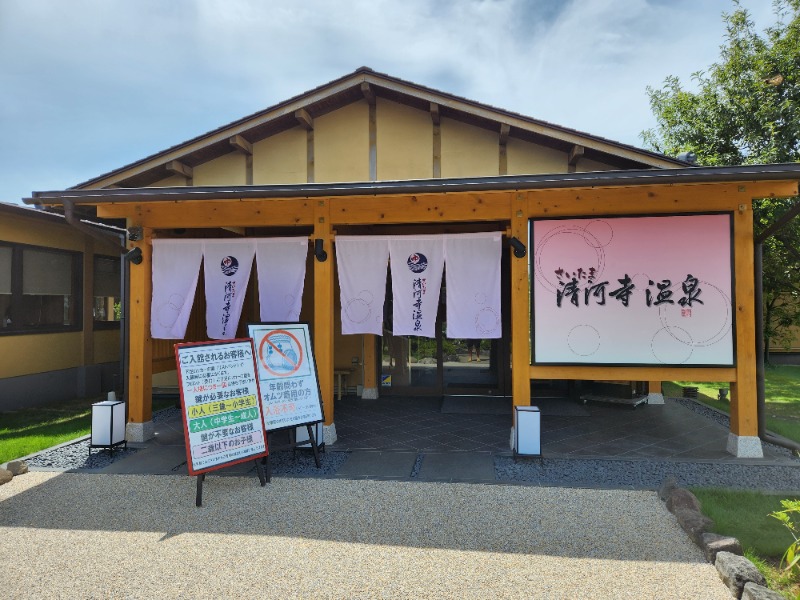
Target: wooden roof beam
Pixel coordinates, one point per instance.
(369, 93)
(176, 167)
(241, 145)
(575, 154)
(435, 117)
(306, 120)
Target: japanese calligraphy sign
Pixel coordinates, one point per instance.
(633, 291)
(287, 375)
(222, 417)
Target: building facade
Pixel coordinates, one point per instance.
(372, 156)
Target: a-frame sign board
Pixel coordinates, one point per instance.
(287, 375)
(223, 423)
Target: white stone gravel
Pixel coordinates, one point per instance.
(116, 536)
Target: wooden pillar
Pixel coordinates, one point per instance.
(520, 303)
(323, 307)
(370, 362)
(140, 348)
(654, 387)
(744, 420)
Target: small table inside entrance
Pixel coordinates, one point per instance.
(340, 375)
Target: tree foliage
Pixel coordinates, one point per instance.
(745, 109)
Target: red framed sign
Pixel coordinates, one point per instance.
(223, 423)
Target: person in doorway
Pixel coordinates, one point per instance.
(476, 346)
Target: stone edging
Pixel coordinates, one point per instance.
(741, 576)
(12, 469)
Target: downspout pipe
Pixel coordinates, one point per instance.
(134, 255)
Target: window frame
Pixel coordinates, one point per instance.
(17, 297)
(105, 325)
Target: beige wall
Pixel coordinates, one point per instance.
(469, 151)
(341, 144)
(39, 232)
(525, 158)
(404, 142)
(281, 158)
(229, 169)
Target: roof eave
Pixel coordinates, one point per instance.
(605, 179)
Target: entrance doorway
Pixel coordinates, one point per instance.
(443, 366)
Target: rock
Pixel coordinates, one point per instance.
(5, 476)
(694, 523)
(680, 498)
(713, 543)
(736, 571)
(753, 591)
(17, 467)
(670, 483)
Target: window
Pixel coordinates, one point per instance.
(106, 296)
(39, 289)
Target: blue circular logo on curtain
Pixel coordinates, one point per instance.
(417, 262)
(229, 265)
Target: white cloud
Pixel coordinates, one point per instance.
(90, 85)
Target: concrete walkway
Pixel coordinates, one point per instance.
(74, 535)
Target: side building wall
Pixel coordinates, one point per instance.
(38, 368)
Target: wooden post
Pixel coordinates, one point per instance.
(140, 349)
(654, 387)
(323, 307)
(370, 365)
(520, 303)
(744, 420)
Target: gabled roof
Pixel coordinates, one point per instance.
(356, 86)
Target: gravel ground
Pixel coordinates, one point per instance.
(645, 474)
(128, 536)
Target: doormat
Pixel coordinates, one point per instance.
(476, 405)
(559, 407)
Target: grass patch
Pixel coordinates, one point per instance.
(745, 516)
(29, 430)
(782, 394)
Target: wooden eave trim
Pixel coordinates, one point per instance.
(443, 207)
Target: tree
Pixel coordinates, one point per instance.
(746, 110)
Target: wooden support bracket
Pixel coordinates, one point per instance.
(178, 168)
(241, 145)
(305, 119)
(369, 93)
(435, 113)
(575, 154)
(505, 130)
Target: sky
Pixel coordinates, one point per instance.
(87, 86)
